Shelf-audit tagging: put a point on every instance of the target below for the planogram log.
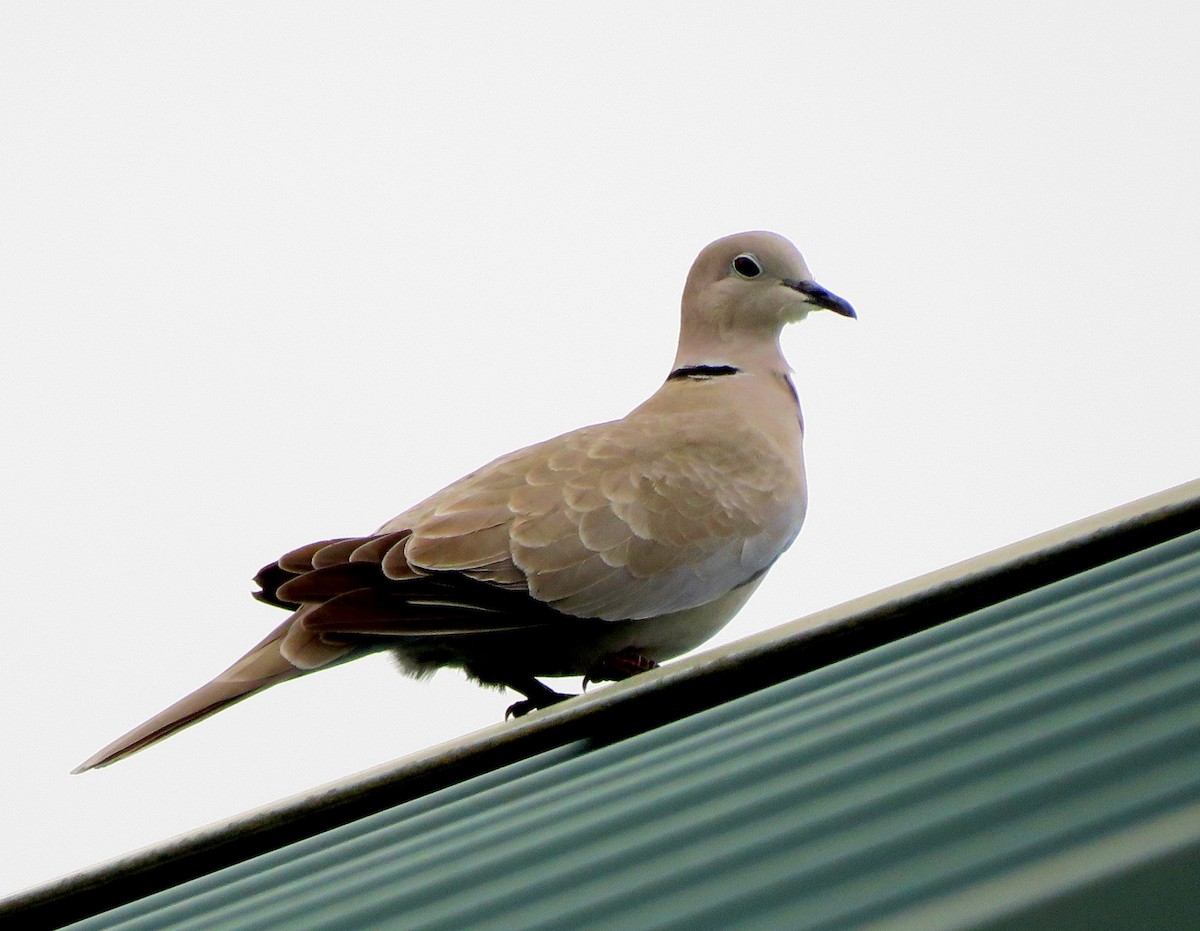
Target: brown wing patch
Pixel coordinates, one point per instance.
(365, 586)
(337, 553)
(376, 548)
(300, 560)
(269, 578)
(328, 582)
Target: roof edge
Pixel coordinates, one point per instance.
(684, 687)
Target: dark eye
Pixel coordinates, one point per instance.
(747, 266)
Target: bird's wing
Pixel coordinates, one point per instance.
(630, 519)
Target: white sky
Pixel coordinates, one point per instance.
(273, 272)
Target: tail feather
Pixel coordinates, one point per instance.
(268, 668)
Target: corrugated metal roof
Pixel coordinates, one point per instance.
(1024, 757)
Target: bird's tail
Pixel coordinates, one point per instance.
(262, 667)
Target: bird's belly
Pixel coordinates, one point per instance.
(576, 645)
(670, 635)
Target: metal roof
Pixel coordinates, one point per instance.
(1013, 739)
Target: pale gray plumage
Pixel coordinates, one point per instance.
(598, 553)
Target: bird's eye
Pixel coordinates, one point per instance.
(747, 266)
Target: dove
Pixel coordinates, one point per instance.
(599, 553)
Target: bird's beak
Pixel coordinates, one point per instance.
(822, 298)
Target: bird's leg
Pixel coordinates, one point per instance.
(617, 666)
(537, 695)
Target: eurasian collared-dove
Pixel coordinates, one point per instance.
(599, 553)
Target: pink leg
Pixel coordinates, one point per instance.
(624, 665)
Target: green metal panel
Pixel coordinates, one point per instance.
(1027, 758)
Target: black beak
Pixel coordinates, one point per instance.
(822, 298)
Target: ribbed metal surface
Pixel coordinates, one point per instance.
(999, 744)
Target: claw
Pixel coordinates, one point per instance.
(519, 709)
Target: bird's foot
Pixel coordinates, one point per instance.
(623, 665)
(545, 699)
(537, 694)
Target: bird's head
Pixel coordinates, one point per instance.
(755, 280)
(741, 291)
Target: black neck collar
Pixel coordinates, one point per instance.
(702, 371)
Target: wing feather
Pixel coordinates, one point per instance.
(336, 553)
(376, 548)
(300, 560)
(625, 520)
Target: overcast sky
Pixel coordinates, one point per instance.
(273, 272)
